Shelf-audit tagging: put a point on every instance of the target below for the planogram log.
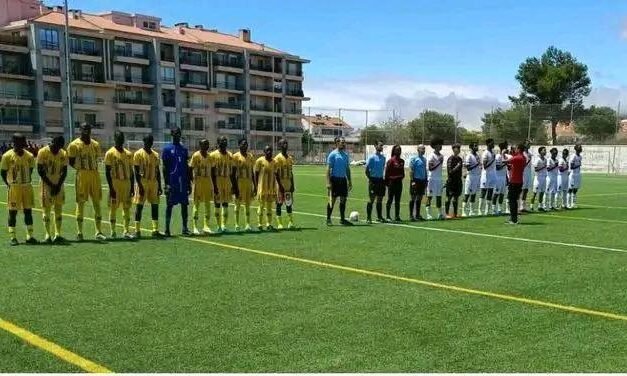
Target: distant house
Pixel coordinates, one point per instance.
(324, 129)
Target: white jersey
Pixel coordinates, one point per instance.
(551, 168)
(540, 168)
(528, 170)
(488, 163)
(562, 177)
(575, 164)
(435, 160)
(472, 165)
(501, 166)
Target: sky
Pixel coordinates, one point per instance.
(457, 56)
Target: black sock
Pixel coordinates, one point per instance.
(369, 210)
(447, 205)
(329, 211)
(379, 210)
(455, 205)
(154, 211)
(278, 210)
(412, 202)
(184, 216)
(343, 211)
(28, 217)
(138, 212)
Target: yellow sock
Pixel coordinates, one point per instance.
(155, 225)
(195, 215)
(225, 215)
(237, 208)
(217, 215)
(291, 217)
(46, 220)
(58, 220)
(126, 212)
(80, 209)
(279, 220)
(207, 221)
(260, 215)
(97, 216)
(112, 219)
(269, 213)
(12, 232)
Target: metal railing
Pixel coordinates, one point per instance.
(228, 85)
(10, 120)
(196, 106)
(261, 107)
(90, 51)
(261, 87)
(129, 100)
(49, 45)
(221, 124)
(165, 56)
(51, 72)
(293, 129)
(193, 60)
(265, 67)
(192, 127)
(88, 77)
(133, 124)
(130, 79)
(226, 62)
(10, 94)
(128, 52)
(22, 70)
(169, 103)
(168, 81)
(54, 123)
(185, 83)
(50, 97)
(231, 105)
(295, 92)
(14, 40)
(87, 100)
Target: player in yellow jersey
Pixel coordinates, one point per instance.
(201, 165)
(266, 182)
(244, 166)
(83, 154)
(223, 175)
(120, 178)
(16, 168)
(147, 185)
(284, 163)
(52, 164)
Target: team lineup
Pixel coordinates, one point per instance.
(491, 178)
(213, 179)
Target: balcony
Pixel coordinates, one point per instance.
(167, 56)
(88, 100)
(194, 84)
(294, 72)
(13, 98)
(131, 79)
(293, 129)
(294, 111)
(193, 60)
(295, 92)
(49, 45)
(54, 126)
(129, 52)
(261, 66)
(186, 126)
(169, 102)
(221, 124)
(52, 97)
(17, 70)
(262, 107)
(14, 40)
(128, 100)
(230, 105)
(99, 125)
(228, 85)
(82, 50)
(168, 80)
(88, 77)
(227, 62)
(265, 126)
(259, 86)
(56, 72)
(195, 106)
(16, 124)
(134, 127)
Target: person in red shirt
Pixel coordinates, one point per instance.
(394, 174)
(516, 170)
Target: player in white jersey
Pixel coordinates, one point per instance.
(562, 180)
(500, 185)
(473, 176)
(574, 177)
(435, 186)
(550, 197)
(527, 178)
(488, 177)
(539, 182)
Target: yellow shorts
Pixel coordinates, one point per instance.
(20, 197)
(48, 200)
(245, 188)
(88, 186)
(122, 194)
(225, 191)
(151, 193)
(202, 190)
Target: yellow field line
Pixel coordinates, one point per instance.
(488, 294)
(53, 348)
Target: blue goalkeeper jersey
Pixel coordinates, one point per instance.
(174, 157)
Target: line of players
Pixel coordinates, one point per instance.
(554, 185)
(216, 177)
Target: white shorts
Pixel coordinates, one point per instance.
(539, 184)
(562, 182)
(501, 185)
(434, 188)
(551, 184)
(471, 187)
(488, 181)
(527, 179)
(574, 181)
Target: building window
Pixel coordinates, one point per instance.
(49, 39)
(199, 124)
(138, 120)
(120, 119)
(167, 75)
(90, 119)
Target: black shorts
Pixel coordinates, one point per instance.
(339, 187)
(376, 187)
(454, 188)
(418, 189)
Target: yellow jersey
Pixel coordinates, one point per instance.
(244, 165)
(266, 170)
(53, 163)
(18, 167)
(284, 167)
(223, 163)
(121, 163)
(201, 165)
(148, 164)
(86, 154)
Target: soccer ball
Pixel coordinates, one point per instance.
(354, 216)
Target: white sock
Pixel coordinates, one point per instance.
(428, 210)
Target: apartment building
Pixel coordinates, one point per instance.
(129, 72)
(324, 129)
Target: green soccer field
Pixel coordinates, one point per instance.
(465, 295)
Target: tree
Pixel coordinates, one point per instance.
(372, 133)
(512, 125)
(431, 124)
(598, 123)
(556, 78)
(306, 142)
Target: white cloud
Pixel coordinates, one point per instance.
(409, 97)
